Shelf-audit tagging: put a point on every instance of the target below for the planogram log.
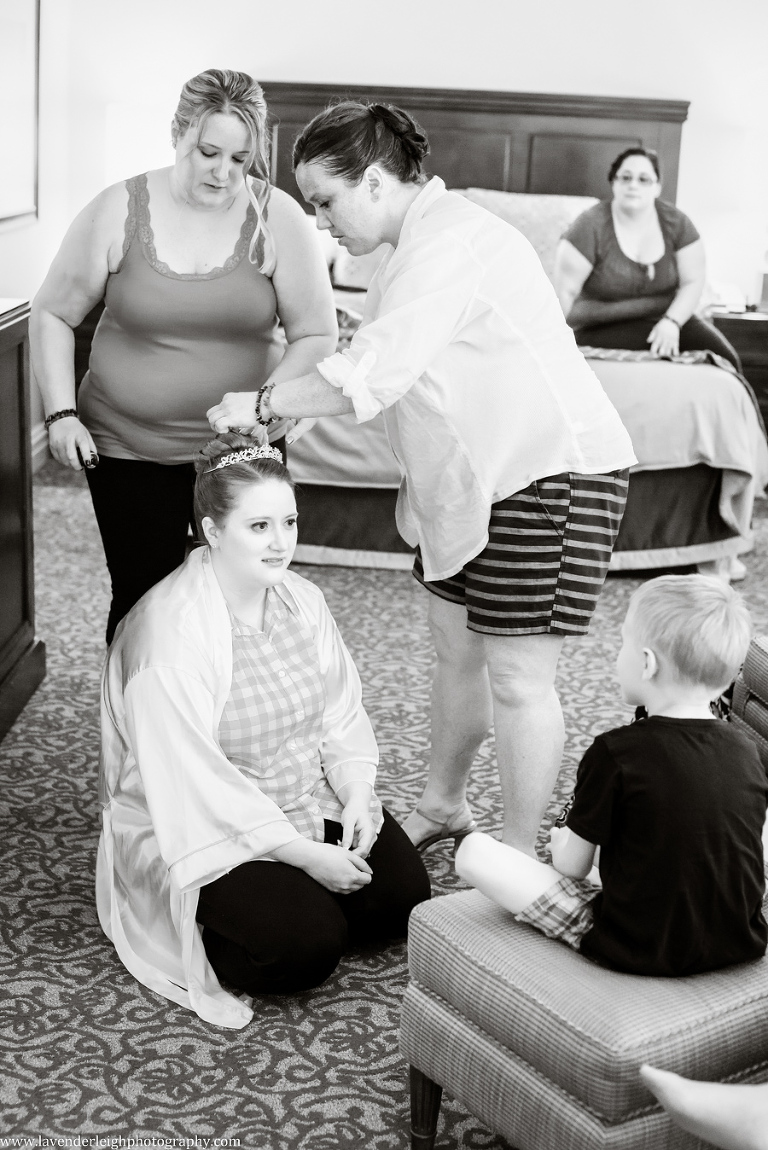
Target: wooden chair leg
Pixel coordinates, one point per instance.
(425, 1108)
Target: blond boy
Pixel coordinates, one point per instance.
(676, 802)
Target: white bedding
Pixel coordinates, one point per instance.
(679, 415)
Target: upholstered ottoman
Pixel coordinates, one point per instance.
(544, 1045)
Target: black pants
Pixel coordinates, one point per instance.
(144, 513)
(695, 335)
(271, 929)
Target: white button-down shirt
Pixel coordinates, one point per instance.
(464, 347)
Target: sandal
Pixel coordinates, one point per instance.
(443, 831)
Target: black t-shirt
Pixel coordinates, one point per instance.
(677, 807)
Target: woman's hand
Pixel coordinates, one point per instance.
(237, 411)
(359, 833)
(335, 868)
(71, 444)
(301, 427)
(665, 337)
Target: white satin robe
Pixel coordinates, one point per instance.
(176, 813)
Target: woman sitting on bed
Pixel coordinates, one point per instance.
(241, 836)
(630, 270)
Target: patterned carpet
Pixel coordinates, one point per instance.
(84, 1049)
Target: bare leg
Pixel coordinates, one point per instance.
(460, 715)
(528, 722)
(501, 873)
(732, 1117)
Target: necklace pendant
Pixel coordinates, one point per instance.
(650, 271)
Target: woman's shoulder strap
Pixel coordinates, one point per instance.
(138, 203)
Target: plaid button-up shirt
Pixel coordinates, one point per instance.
(271, 727)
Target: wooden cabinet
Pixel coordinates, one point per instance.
(748, 333)
(22, 656)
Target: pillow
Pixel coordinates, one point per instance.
(541, 219)
(356, 272)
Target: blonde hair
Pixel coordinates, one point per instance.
(220, 91)
(700, 625)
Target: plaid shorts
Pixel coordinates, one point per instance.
(564, 911)
(546, 559)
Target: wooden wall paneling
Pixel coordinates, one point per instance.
(22, 656)
(469, 157)
(668, 137)
(512, 141)
(575, 163)
(14, 576)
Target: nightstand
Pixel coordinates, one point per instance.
(748, 332)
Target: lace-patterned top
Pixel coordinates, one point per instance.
(170, 344)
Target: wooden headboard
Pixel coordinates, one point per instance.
(511, 141)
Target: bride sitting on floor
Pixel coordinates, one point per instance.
(241, 837)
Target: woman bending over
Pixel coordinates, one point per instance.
(513, 460)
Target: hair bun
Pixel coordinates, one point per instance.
(411, 136)
(351, 135)
(211, 452)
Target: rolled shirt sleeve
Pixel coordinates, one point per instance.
(426, 296)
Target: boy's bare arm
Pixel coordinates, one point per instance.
(572, 855)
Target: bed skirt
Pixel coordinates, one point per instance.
(672, 519)
(350, 527)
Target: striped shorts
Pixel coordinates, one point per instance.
(546, 559)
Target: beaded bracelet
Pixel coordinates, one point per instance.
(674, 321)
(63, 414)
(264, 391)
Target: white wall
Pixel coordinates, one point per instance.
(26, 246)
(112, 69)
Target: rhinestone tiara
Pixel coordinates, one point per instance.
(245, 455)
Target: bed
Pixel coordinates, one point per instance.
(536, 160)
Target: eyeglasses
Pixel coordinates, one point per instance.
(628, 178)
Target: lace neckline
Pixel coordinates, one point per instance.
(139, 194)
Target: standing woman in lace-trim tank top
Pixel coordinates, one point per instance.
(197, 264)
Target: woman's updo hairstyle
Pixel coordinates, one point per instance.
(350, 136)
(217, 492)
(219, 90)
(637, 150)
